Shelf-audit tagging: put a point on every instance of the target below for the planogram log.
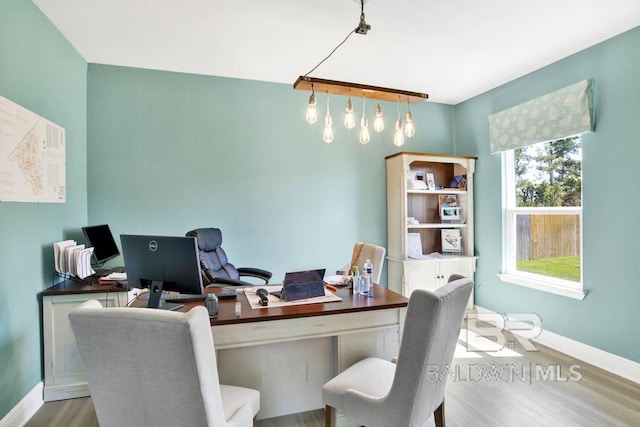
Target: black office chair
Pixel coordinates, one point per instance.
(214, 265)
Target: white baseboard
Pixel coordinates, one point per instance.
(24, 410)
(615, 364)
(609, 362)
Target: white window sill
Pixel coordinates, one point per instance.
(542, 285)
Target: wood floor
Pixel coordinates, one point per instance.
(80, 413)
(506, 388)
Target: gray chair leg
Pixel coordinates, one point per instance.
(438, 414)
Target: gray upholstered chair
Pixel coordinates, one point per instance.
(363, 251)
(375, 392)
(149, 367)
(216, 268)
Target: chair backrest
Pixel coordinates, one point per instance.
(363, 251)
(431, 331)
(149, 367)
(213, 259)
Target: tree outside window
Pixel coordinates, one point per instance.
(544, 209)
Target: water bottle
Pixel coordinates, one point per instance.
(211, 302)
(357, 282)
(366, 278)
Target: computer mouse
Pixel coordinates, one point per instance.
(263, 294)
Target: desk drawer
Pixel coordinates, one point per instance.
(255, 333)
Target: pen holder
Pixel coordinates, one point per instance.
(211, 302)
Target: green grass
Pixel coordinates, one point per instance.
(567, 268)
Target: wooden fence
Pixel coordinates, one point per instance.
(547, 236)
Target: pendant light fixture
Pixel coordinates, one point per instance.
(378, 123)
(364, 125)
(327, 134)
(306, 82)
(349, 119)
(398, 136)
(312, 111)
(409, 129)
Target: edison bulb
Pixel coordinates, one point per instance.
(312, 112)
(364, 130)
(409, 129)
(378, 123)
(349, 119)
(327, 134)
(398, 136)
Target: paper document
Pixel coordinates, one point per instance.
(115, 276)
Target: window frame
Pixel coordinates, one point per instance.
(510, 274)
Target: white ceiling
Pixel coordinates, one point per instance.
(450, 49)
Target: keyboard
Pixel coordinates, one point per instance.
(226, 294)
(185, 298)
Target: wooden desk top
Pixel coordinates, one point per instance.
(78, 286)
(382, 299)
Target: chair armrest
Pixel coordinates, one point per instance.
(255, 272)
(224, 281)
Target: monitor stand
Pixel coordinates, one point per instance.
(155, 298)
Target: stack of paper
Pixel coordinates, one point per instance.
(71, 258)
(113, 278)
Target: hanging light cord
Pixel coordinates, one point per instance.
(392, 62)
(332, 52)
(362, 26)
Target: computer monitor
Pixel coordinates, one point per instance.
(168, 263)
(104, 247)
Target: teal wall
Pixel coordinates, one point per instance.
(42, 72)
(609, 316)
(160, 152)
(169, 152)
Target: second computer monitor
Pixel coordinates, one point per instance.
(160, 263)
(104, 246)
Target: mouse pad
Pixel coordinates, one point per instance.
(274, 301)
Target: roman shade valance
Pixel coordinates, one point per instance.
(561, 114)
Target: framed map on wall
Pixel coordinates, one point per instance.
(32, 156)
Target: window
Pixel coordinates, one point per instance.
(543, 188)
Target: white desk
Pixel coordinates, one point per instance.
(287, 353)
(63, 371)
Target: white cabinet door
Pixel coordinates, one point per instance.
(434, 273)
(420, 274)
(462, 266)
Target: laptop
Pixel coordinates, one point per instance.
(304, 276)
